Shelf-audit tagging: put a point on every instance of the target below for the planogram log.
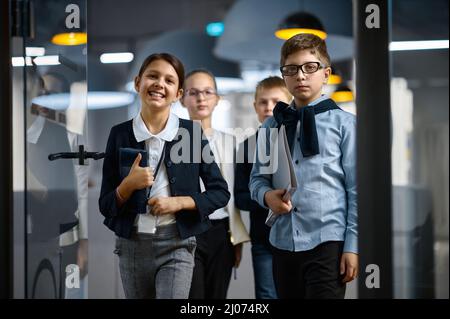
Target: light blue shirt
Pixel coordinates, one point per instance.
(324, 204)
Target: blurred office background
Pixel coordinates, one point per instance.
(65, 96)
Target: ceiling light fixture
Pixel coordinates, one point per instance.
(334, 78)
(95, 100)
(40, 60)
(71, 38)
(34, 51)
(215, 29)
(47, 60)
(119, 57)
(300, 22)
(342, 94)
(17, 61)
(418, 45)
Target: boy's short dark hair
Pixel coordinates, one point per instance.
(272, 82)
(305, 41)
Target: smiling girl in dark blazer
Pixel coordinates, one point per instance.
(156, 244)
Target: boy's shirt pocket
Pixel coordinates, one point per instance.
(309, 173)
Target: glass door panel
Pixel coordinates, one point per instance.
(55, 63)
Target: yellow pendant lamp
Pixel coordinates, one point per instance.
(342, 94)
(70, 38)
(300, 22)
(334, 78)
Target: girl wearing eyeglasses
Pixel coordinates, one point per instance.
(220, 248)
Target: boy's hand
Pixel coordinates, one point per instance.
(349, 266)
(164, 205)
(274, 199)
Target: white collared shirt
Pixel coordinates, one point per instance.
(154, 144)
(220, 213)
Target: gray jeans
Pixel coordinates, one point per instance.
(156, 265)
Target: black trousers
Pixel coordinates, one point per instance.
(312, 274)
(214, 261)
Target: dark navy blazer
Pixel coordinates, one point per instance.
(183, 179)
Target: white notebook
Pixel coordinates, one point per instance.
(284, 177)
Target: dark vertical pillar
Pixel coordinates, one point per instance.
(6, 201)
(374, 144)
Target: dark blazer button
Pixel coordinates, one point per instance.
(296, 161)
(173, 180)
(169, 163)
(295, 209)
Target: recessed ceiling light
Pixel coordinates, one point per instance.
(418, 45)
(34, 51)
(119, 57)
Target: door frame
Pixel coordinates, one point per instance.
(6, 181)
(373, 65)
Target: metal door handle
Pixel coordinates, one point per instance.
(82, 155)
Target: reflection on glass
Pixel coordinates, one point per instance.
(56, 191)
(419, 189)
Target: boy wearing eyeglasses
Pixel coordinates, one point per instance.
(315, 235)
(220, 248)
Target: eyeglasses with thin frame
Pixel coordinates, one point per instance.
(207, 93)
(307, 68)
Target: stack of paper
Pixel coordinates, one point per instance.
(284, 176)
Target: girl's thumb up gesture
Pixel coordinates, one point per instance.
(139, 177)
